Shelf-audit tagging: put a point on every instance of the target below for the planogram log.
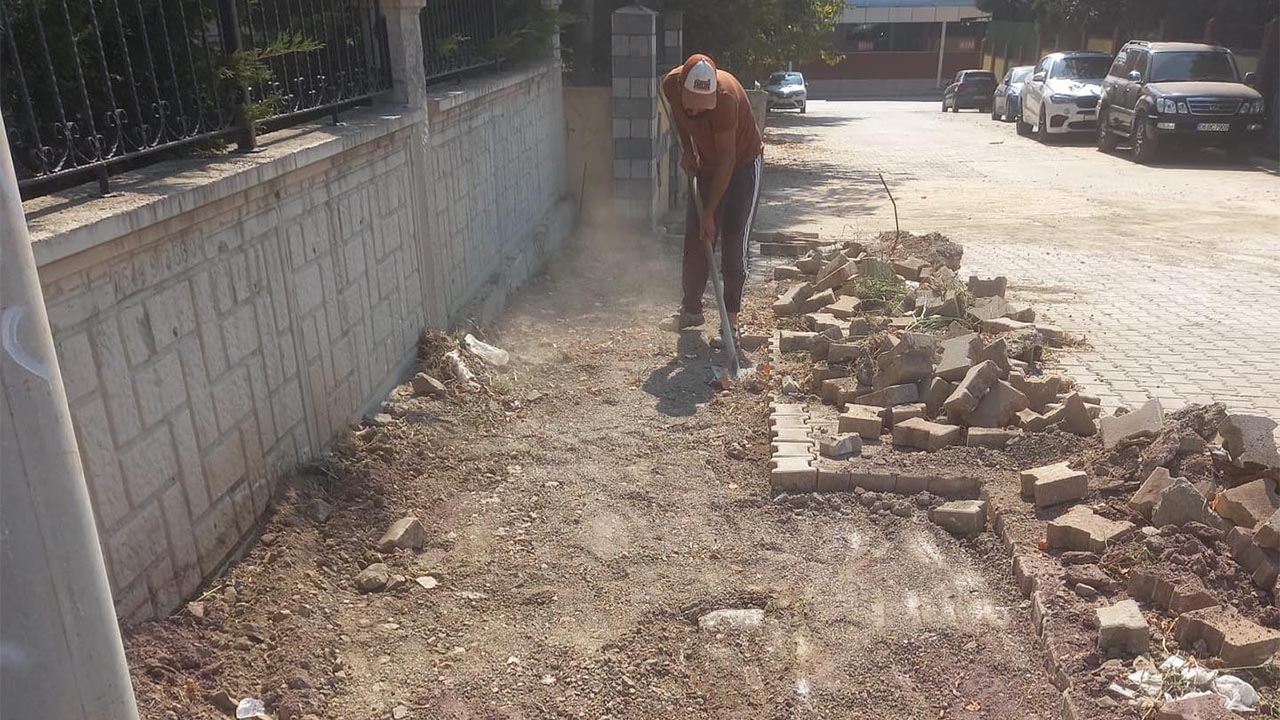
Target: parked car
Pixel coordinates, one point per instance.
(1165, 93)
(786, 90)
(971, 89)
(1005, 105)
(1062, 94)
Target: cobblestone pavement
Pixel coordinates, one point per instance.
(1171, 273)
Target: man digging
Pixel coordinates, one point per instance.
(723, 149)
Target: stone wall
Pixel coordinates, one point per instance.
(218, 323)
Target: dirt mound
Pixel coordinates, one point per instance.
(934, 248)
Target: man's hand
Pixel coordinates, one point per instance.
(707, 227)
(689, 164)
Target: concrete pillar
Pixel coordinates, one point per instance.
(635, 114)
(60, 650)
(942, 51)
(404, 40)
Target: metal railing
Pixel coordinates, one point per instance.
(457, 37)
(87, 86)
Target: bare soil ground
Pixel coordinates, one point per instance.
(582, 512)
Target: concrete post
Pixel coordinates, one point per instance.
(942, 51)
(404, 40)
(635, 113)
(60, 649)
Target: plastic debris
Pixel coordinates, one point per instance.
(251, 709)
(494, 356)
(458, 368)
(1150, 682)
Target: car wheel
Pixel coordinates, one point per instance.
(944, 105)
(1042, 129)
(1145, 145)
(994, 115)
(955, 106)
(1024, 127)
(1106, 138)
(1009, 111)
(802, 107)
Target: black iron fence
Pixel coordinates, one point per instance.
(90, 85)
(458, 37)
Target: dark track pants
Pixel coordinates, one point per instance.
(737, 211)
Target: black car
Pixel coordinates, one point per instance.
(971, 89)
(1164, 93)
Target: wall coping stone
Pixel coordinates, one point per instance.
(440, 99)
(78, 219)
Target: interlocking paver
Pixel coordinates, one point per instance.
(1173, 286)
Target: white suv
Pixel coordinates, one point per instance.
(1062, 94)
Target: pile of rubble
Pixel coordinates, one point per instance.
(1142, 515)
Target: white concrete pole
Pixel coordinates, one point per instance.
(942, 51)
(60, 649)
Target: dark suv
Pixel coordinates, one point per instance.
(1163, 93)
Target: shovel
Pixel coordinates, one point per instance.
(725, 377)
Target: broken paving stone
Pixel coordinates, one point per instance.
(424, 384)
(999, 325)
(988, 308)
(865, 420)
(1122, 628)
(839, 391)
(958, 355)
(938, 392)
(998, 407)
(1031, 421)
(909, 268)
(1181, 503)
(790, 341)
(822, 321)
(374, 578)
(900, 413)
(1250, 440)
(407, 533)
(1249, 504)
(792, 299)
(841, 446)
(1054, 484)
(996, 438)
(1091, 575)
(871, 267)
(1200, 707)
(1078, 557)
(965, 518)
(1040, 391)
(1144, 501)
(1082, 529)
(844, 271)
(817, 301)
(909, 360)
(892, 395)
(1262, 563)
(1146, 421)
(1235, 639)
(1078, 418)
(997, 352)
(731, 619)
(844, 352)
(1177, 594)
(925, 435)
(1268, 534)
(847, 307)
(975, 385)
(994, 287)
(787, 272)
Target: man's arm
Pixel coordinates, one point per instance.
(722, 172)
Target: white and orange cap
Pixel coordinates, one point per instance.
(699, 83)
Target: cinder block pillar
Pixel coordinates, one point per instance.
(635, 114)
(404, 40)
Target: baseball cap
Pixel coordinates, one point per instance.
(699, 83)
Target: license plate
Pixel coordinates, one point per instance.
(1214, 127)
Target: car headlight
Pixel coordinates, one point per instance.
(1060, 98)
(1182, 108)
(1254, 107)
(1165, 105)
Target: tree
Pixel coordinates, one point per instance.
(754, 37)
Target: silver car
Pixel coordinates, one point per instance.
(786, 90)
(1005, 105)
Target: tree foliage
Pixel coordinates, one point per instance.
(1185, 17)
(754, 37)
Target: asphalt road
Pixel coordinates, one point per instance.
(1170, 272)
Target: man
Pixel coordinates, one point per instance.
(722, 147)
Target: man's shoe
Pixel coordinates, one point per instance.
(681, 321)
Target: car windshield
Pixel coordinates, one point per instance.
(1020, 75)
(1192, 67)
(782, 78)
(1081, 68)
(979, 77)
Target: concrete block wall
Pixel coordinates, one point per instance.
(635, 114)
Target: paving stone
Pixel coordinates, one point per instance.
(839, 447)
(955, 487)
(838, 391)
(844, 271)
(865, 420)
(787, 272)
(908, 361)
(861, 327)
(790, 434)
(794, 341)
(1235, 639)
(1181, 503)
(1248, 505)
(792, 449)
(1261, 563)
(1268, 534)
(1201, 707)
(958, 355)
(997, 352)
(817, 301)
(999, 325)
(823, 321)
(1123, 629)
(994, 287)
(1021, 313)
(1251, 440)
(1082, 529)
(998, 408)
(789, 421)
(407, 533)
(938, 392)
(873, 480)
(847, 307)
(975, 385)
(1144, 501)
(793, 474)
(792, 299)
(872, 267)
(1051, 333)
(1056, 484)
(890, 396)
(1079, 418)
(1040, 391)
(1143, 422)
(1031, 421)
(920, 433)
(966, 518)
(832, 476)
(909, 268)
(988, 308)
(844, 352)
(811, 263)
(945, 304)
(825, 371)
(1091, 575)
(997, 438)
(899, 413)
(777, 408)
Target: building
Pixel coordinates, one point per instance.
(900, 48)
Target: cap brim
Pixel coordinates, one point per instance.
(698, 101)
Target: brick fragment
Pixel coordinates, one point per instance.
(1082, 529)
(994, 287)
(1250, 440)
(936, 394)
(1079, 417)
(1144, 501)
(1146, 421)
(998, 408)
(892, 395)
(1054, 484)
(840, 446)
(1123, 629)
(1268, 534)
(792, 299)
(900, 413)
(966, 518)
(865, 420)
(977, 381)
(925, 435)
(958, 355)
(1248, 505)
(407, 533)
(1227, 634)
(1181, 503)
